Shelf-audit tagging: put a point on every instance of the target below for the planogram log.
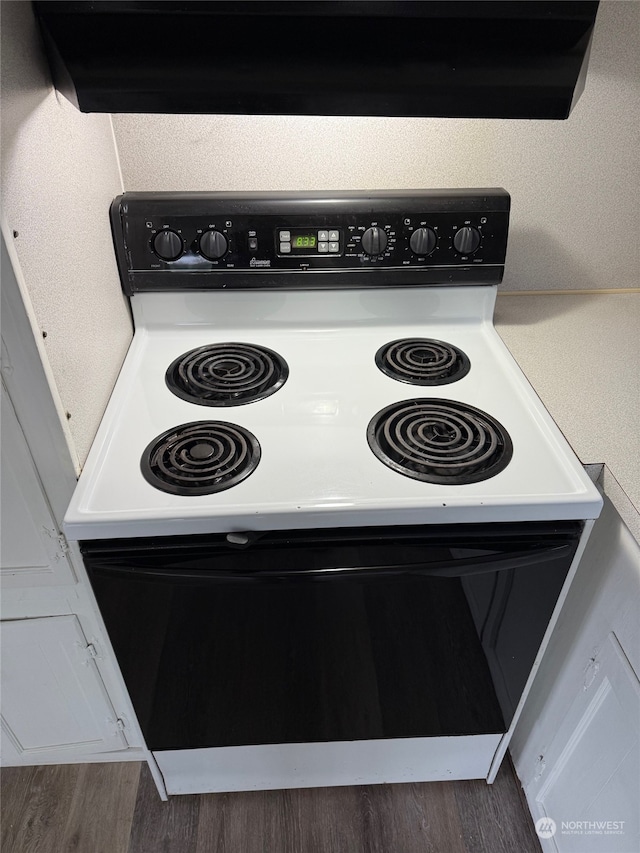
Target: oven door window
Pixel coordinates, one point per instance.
(337, 641)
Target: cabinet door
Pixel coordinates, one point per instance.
(54, 704)
(33, 551)
(592, 789)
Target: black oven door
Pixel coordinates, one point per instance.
(329, 635)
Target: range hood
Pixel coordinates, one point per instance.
(452, 59)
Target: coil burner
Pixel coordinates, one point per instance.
(439, 441)
(422, 361)
(227, 374)
(200, 458)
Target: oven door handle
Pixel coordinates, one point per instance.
(444, 569)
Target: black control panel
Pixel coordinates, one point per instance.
(194, 241)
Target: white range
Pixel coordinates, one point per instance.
(328, 523)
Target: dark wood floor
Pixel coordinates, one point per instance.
(115, 808)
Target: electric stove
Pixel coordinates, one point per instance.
(324, 490)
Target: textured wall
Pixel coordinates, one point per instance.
(59, 175)
(575, 184)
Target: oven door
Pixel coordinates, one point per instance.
(329, 635)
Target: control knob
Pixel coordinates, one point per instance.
(423, 241)
(466, 240)
(374, 240)
(168, 245)
(213, 245)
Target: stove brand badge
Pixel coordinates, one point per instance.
(546, 827)
(257, 262)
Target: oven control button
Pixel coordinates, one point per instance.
(213, 245)
(374, 241)
(466, 240)
(168, 245)
(423, 241)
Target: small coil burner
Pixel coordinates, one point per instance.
(422, 361)
(439, 441)
(200, 458)
(227, 374)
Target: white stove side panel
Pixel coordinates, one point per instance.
(321, 765)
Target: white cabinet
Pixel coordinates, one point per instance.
(32, 552)
(594, 772)
(54, 704)
(577, 746)
(57, 701)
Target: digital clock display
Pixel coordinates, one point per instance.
(304, 241)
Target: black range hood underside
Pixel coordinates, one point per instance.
(450, 59)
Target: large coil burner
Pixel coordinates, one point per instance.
(227, 374)
(439, 441)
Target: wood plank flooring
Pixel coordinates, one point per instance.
(115, 808)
